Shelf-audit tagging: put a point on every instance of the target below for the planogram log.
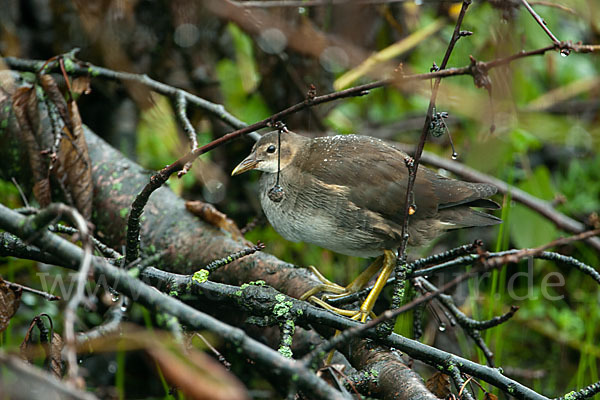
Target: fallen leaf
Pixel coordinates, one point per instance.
(439, 385)
(9, 303)
(210, 214)
(490, 396)
(74, 164)
(25, 108)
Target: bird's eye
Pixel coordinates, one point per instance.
(271, 149)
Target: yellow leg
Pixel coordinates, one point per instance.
(340, 311)
(361, 280)
(389, 261)
(357, 284)
(327, 285)
(385, 263)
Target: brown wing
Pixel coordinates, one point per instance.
(375, 172)
(378, 175)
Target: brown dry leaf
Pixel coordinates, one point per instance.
(490, 396)
(74, 164)
(193, 372)
(55, 96)
(53, 357)
(210, 214)
(197, 375)
(9, 303)
(29, 348)
(81, 85)
(439, 385)
(41, 191)
(25, 108)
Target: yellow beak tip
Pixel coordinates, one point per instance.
(244, 166)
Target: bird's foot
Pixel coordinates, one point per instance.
(358, 315)
(325, 286)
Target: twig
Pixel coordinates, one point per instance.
(235, 256)
(542, 23)
(582, 394)
(216, 352)
(517, 256)
(104, 249)
(180, 106)
(35, 226)
(311, 3)
(413, 168)
(114, 317)
(46, 295)
(37, 380)
(470, 259)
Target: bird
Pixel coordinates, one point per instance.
(346, 193)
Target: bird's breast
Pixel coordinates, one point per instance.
(319, 215)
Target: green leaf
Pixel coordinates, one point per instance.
(157, 135)
(530, 229)
(248, 108)
(244, 56)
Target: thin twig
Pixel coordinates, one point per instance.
(46, 295)
(541, 22)
(413, 166)
(181, 106)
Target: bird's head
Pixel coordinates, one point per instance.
(265, 153)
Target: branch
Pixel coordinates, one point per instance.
(159, 302)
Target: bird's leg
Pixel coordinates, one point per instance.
(357, 284)
(326, 286)
(338, 291)
(363, 279)
(366, 309)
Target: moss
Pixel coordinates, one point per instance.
(571, 395)
(117, 186)
(69, 65)
(285, 351)
(282, 307)
(200, 276)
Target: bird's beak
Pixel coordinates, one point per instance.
(249, 163)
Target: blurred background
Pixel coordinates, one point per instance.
(259, 57)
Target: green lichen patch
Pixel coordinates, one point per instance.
(200, 276)
(285, 351)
